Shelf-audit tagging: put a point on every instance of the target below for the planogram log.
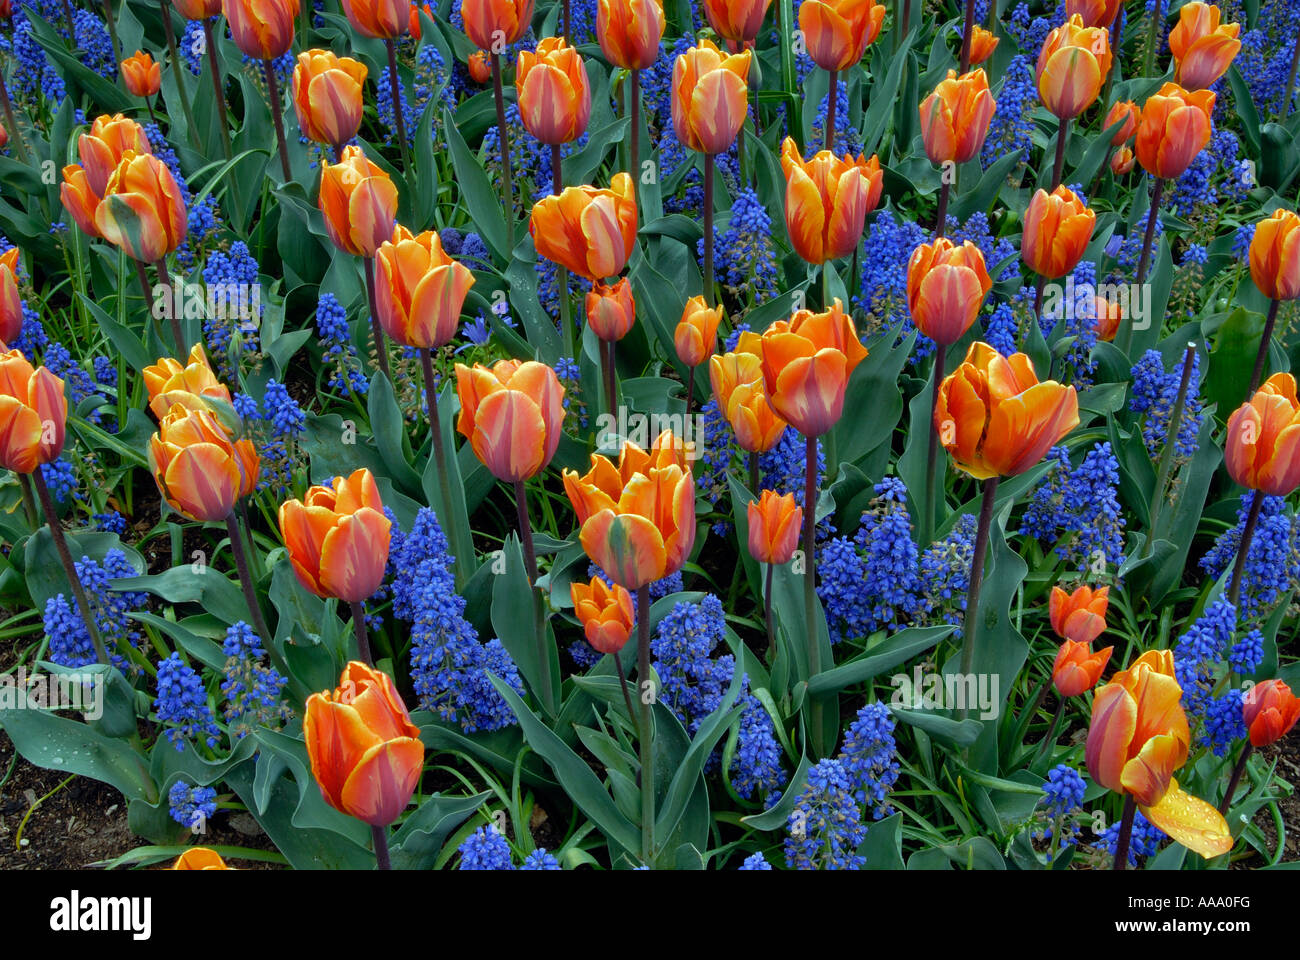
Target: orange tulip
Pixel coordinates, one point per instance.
(1173, 129)
(827, 200)
(946, 286)
(480, 70)
(1121, 161)
(79, 199)
(170, 384)
(1072, 66)
(837, 32)
(512, 414)
(102, 149)
(1079, 616)
(200, 858)
(386, 19)
(806, 366)
(982, 45)
(1077, 669)
(1094, 13)
(496, 24)
(413, 19)
(200, 471)
(607, 615)
(589, 231)
(736, 20)
(1107, 316)
(142, 77)
(4, 137)
(696, 335)
(1269, 710)
(629, 31)
(142, 211)
(996, 419)
(611, 311)
(327, 96)
(1058, 227)
(419, 291)
(359, 202)
(1275, 256)
(554, 92)
(11, 304)
(1262, 449)
(261, 29)
(365, 752)
(1138, 738)
(774, 524)
(637, 520)
(1127, 111)
(955, 117)
(737, 381)
(338, 537)
(33, 414)
(197, 9)
(1202, 48)
(710, 95)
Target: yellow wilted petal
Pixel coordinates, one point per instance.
(1191, 821)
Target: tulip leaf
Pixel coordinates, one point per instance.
(69, 746)
(883, 847)
(497, 748)
(899, 648)
(218, 595)
(389, 429)
(1246, 111)
(691, 766)
(45, 576)
(777, 816)
(103, 92)
(871, 387)
(482, 201)
(986, 191)
(882, 100)
(419, 840)
(517, 620)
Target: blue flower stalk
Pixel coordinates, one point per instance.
(1167, 455)
(65, 557)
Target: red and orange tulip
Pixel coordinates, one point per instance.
(737, 382)
(1107, 316)
(496, 24)
(1127, 111)
(413, 26)
(955, 117)
(606, 614)
(143, 210)
(1138, 738)
(141, 76)
(200, 858)
(11, 304)
(327, 96)
(189, 385)
(512, 413)
(629, 31)
(587, 230)
(480, 71)
(365, 752)
(1094, 13)
(1275, 256)
(1173, 129)
(553, 91)
(33, 414)
(338, 537)
(996, 419)
(1058, 226)
(1122, 160)
(1262, 448)
(611, 310)
(197, 9)
(1270, 710)
(696, 335)
(946, 287)
(386, 19)
(710, 95)
(200, 471)
(79, 199)
(102, 149)
(261, 29)
(1079, 616)
(806, 366)
(1072, 66)
(827, 200)
(736, 20)
(1077, 669)
(982, 45)
(419, 290)
(359, 202)
(774, 522)
(837, 32)
(1203, 48)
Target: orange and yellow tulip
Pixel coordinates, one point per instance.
(200, 858)
(629, 31)
(710, 95)
(955, 117)
(359, 202)
(1107, 316)
(637, 520)
(774, 522)
(982, 45)
(1079, 616)
(696, 335)
(1122, 160)
(1173, 129)
(827, 200)
(837, 32)
(1058, 226)
(946, 287)
(141, 76)
(736, 20)
(1127, 111)
(806, 366)
(737, 382)
(79, 199)
(200, 471)
(553, 91)
(327, 96)
(1275, 256)
(102, 149)
(1072, 66)
(11, 304)
(1077, 669)
(386, 19)
(1202, 47)
(338, 537)
(606, 614)
(365, 752)
(496, 24)
(1269, 710)
(587, 230)
(1138, 738)
(197, 9)
(261, 29)
(33, 414)
(189, 385)
(143, 210)
(611, 311)
(419, 291)
(996, 419)
(512, 413)
(480, 71)
(1094, 13)
(1262, 449)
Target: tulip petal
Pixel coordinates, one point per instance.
(1114, 719)
(1190, 821)
(336, 740)
(381, 784)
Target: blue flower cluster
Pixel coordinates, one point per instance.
(744, 254)
(274, 426)
(252, 688)
(485, 849)
(869, 757)
(755, 861)
(191, 806)
(1062, 797)
(1153, 397)
(883, 277)
(1144, 839)
(182, 704)
(825, 827)
(1077, 508)
(70, 644)
(756, 765)
(1272, 567)
(1197, 657)
(693, 681)
(230, 278)
(347, 373)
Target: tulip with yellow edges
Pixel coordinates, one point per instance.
(1058, 227)
(774, 521)
(955, 120)
(142, 77)
(1072, 66)
(611, 312)
(1203, 48)
(738, 387)
(327, 97)
(79, 198)
(11, 304)
(190, 385)
(608, 619)
(695, 338)
(982, 45)
(263, 30)
(629, 32)
(102, 148)
(200, 858)
(827, 200)
(1275, 268)
(837, 33)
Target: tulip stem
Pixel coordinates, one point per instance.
(69, 568)
(606, 349)
(503, 138)
(1171, 441)
(767, 615)
(1049, 741)
(941, 218)
(215, 68)
(634, 135)
(112, 31)
(165, 279)
(305, 10)
(1153, 38)
(381, 848)
(547, 691)
(810, 606)
(1149, 237)
(1039, 284)
(1125, 832)
(177, 73)
(1264, 343)
(147, 293)
(708, 229)
(1062, 137)
(622, 680)
(397, 103)
(828, 140)
(567, 21)
(647, 725)
(10, 124)
(525, 531)
(971, 621)
(381, 348)
(439, 450)
(966, 32)
(72, 24)
(255, 563)
(906, 5)
(1243, 549)
(753, 473)
(277, 114)
(690, 391)
(362, 635)
(246, 576)
(29, 504)
(926, 531)
(1237, 771)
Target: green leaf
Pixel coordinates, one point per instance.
(482, 201)
(899, 648)
(516, 621)
(71, 747)
(419, 840)
(389, 428)
(958, 733)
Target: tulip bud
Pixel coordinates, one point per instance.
(827, 200)
(11, 304)
(982, 45)
(710, 96)
(1079, 616)
(1058, 227)
(359, 202)
(200, 858)
(946, 287)
(419, 291)
(1269, 710)
(197, 9)
(1262, 448)
(1173, 129)
(79, 199)
(806, 366)
(33, 414)
(837, 32)
(955, 117)
(774, 523)
(480, 70)
(385, 19)
(413, 26)
(606, 613)
(1127, 111)
(736, 20)
(496, 24)
(1077, 669)
(142, 77)
(553, 91)
(696, 335)
(143, 210)
(1275, 256)
(611, 311)
(1121, 161)
(1107, 316)
(1072, 66)
(199, 470)
(327, 96)
(338, 537)
(1202, 48)
(629, 32)
(512, 414)
(588, 231)
(262, 29)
